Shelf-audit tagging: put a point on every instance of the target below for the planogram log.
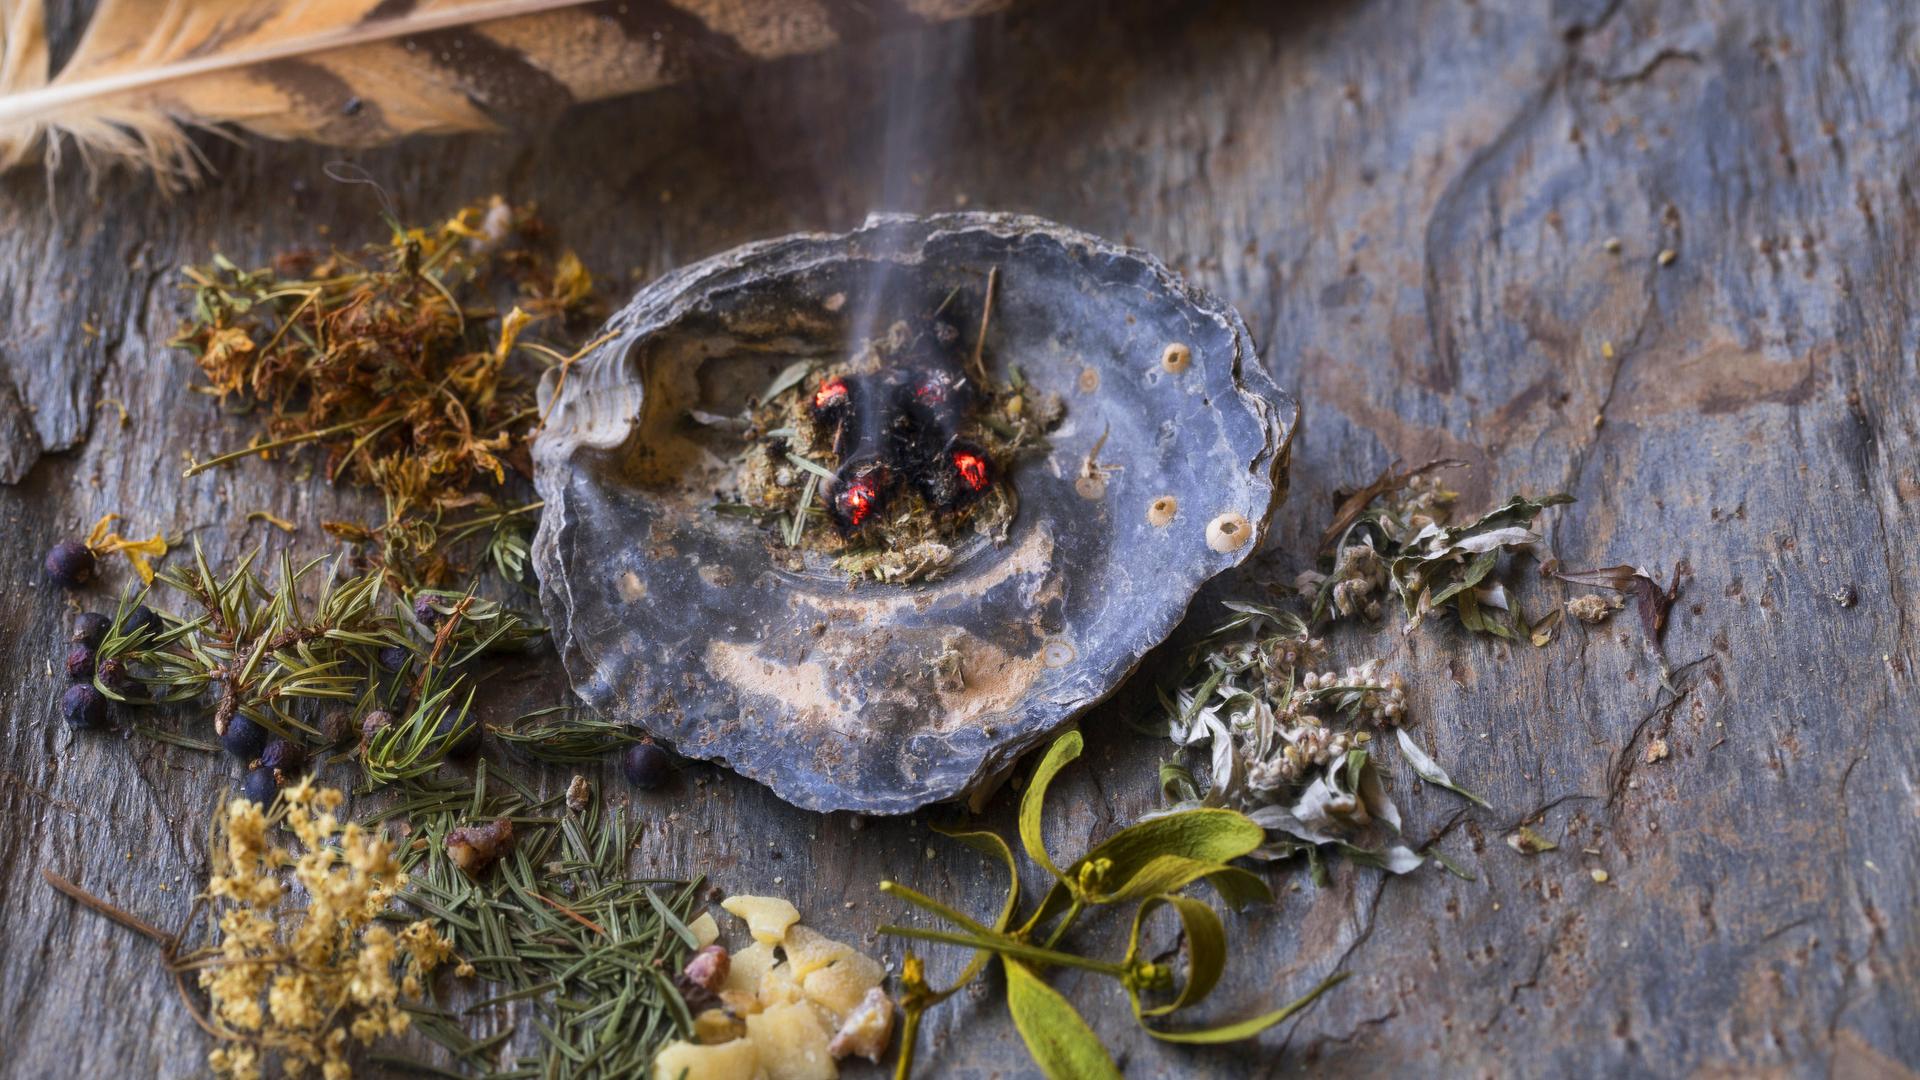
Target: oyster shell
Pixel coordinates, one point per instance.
(875, 697)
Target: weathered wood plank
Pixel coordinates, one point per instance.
(1409, 207)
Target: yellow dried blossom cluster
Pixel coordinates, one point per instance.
(299, 972)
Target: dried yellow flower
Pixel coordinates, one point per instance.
(299, 974)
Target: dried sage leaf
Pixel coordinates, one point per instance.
(1428, 769)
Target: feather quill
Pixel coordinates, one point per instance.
(362, 72)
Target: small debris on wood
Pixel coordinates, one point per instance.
(1594, 608)
(1527, 842)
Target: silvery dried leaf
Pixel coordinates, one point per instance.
(1428, 769)
(1395, 859)
(1512, 536)
(1374, 794)
(1279, 819)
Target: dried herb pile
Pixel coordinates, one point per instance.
(395, 362)
(1293, 748)
(787, 468)
(1147, 866)
(1393, 537)
(1297, 746)
(299, 955)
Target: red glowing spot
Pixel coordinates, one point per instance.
(932, 392)
(832, 392)
(857, 500)
(972, 469)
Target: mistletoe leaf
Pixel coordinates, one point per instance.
(1060, 1041)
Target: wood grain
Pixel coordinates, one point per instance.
(1409, 205)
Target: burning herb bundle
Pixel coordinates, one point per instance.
(885, 459)
(395, 364)
(1149, 864)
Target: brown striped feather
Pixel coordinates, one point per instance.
(361, 72)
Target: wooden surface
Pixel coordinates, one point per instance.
(1408, 204)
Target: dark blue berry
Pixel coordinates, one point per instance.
(83, 706)
(394, 657)
(260, 785)
(283, 756)
(468, 744)
(423, 610)
(90, 629)
(113, 674)
(70, 564)
(646, 766)
(80, 663)
(244, 739)
(142, 618)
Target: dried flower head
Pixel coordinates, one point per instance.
(303, 966)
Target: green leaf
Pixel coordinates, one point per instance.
(990, 843)
(1171, 873)
(1060, 1041)
(987, 843)
(1205, 835)
(1433, 852)
(1477, 571)
(1033, 803)
(1206, 945)
(789, 377)
(1428, 769)
(1246, 1029)
(1394, 858)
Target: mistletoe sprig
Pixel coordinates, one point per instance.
(1149, 865)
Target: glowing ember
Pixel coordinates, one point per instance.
(832, 394)
(860, 489)
(954, 478)
(972, 468)
(857, 500)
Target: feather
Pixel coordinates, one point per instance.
(361, 72)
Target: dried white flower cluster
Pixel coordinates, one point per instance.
(1373, 696)
(1287, 744)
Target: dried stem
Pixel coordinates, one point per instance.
(117, 914)
(986, 317)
